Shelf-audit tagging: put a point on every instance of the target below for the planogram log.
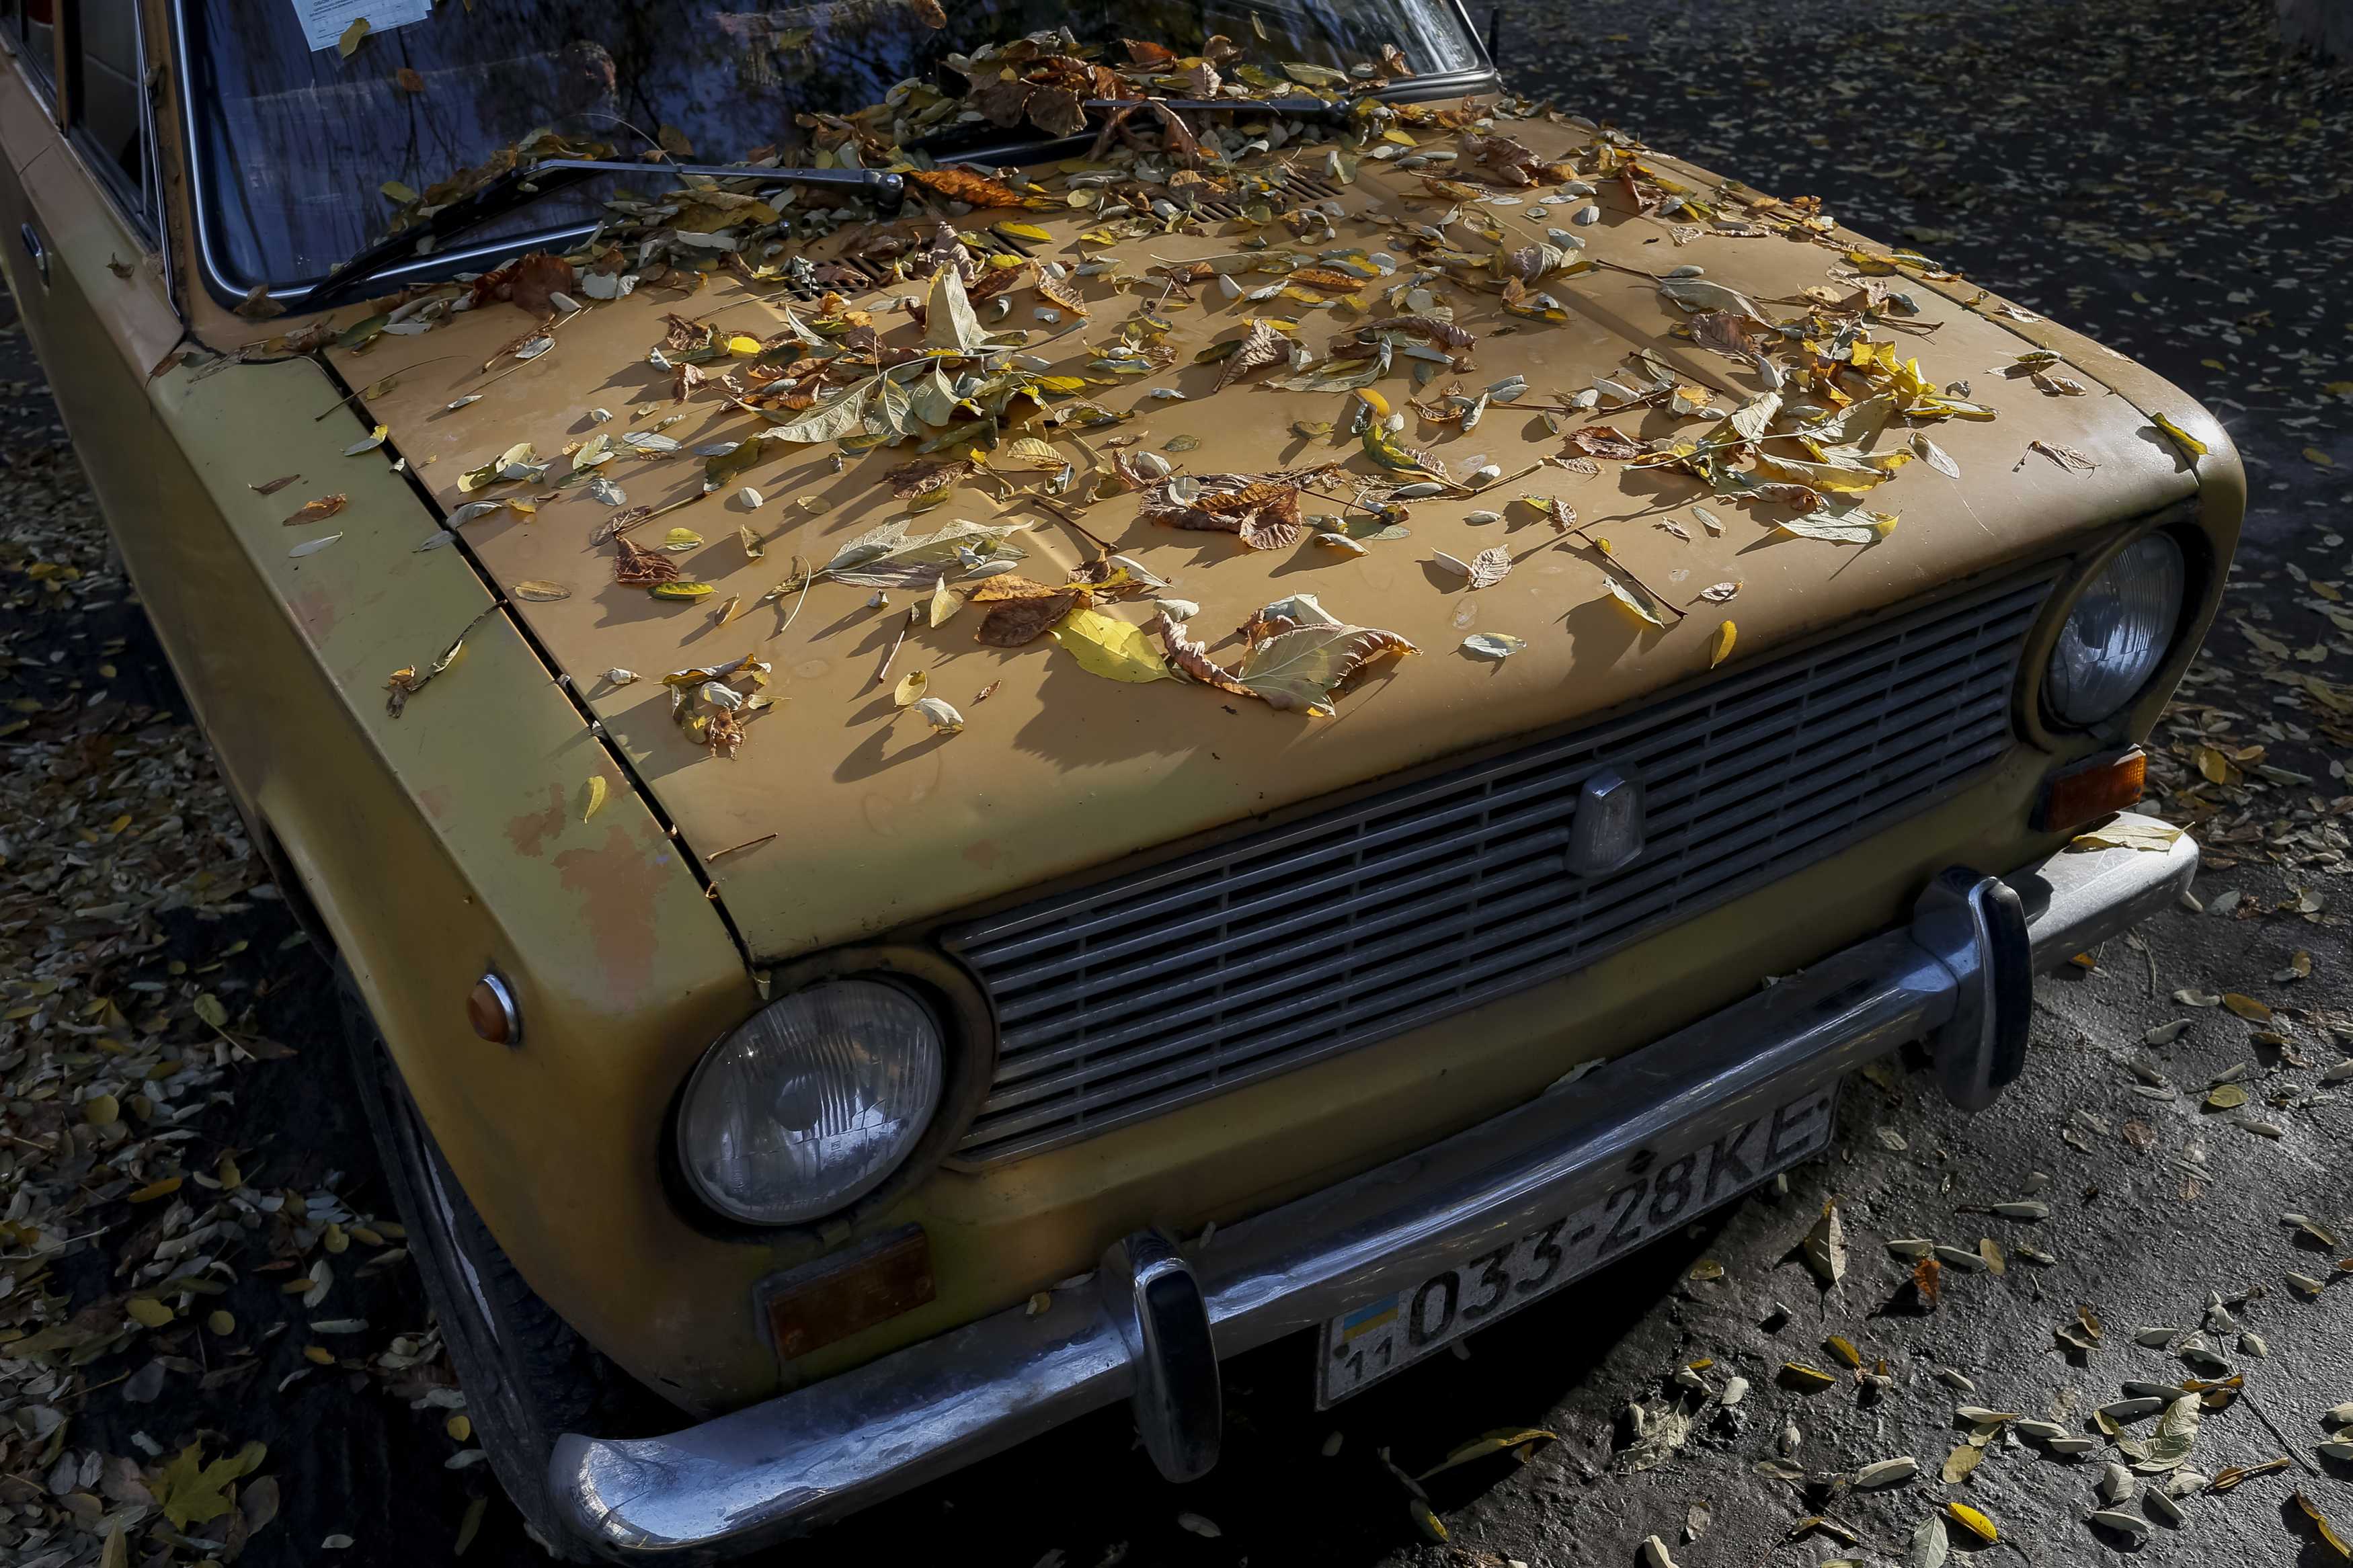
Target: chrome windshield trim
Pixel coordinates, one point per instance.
(227, 290)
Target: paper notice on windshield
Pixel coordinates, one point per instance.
(324, 22)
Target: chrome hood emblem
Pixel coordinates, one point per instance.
(1607, 831)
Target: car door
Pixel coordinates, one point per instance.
(79, 233)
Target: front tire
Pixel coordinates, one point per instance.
(528, 1376)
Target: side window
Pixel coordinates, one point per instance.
(39, 40)
(107, 100)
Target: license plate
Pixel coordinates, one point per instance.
(1674, 1184)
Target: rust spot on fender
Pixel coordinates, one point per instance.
(435, 799)
(981, 852)
(529, 832)
(617, 884)
(315, 614)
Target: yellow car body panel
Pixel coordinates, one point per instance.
(452, 839)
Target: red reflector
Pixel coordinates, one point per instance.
(2079, 794)
(834, 1297)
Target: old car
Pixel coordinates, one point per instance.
(983, 706)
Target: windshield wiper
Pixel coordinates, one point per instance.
(520, 187)
(1296, 108)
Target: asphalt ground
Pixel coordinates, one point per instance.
(2152, 172)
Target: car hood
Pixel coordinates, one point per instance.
(843, 816)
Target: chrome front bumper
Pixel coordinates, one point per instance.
(774, 1469)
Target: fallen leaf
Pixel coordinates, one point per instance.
(2187, 443)
(2326, 1532)
(1115, 649)
(318, 510)
(2128, 833)
(1635, 598)
(943, 718)
(1721, 648)
(1970, 1520)
(1494, 644)
(1825, 1246)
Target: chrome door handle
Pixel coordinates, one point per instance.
(37, 252)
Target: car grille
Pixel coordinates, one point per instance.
(1153, 990)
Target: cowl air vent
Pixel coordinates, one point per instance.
(873, 276)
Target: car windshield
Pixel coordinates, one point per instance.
(314, 118)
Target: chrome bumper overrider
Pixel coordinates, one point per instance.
(774, 1469)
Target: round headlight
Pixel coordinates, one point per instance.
(812, 1103)
(2118, 633)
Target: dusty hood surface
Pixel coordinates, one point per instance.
(843, 815)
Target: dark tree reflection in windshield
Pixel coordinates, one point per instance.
(295, 145)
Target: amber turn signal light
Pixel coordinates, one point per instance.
(490, 1008)
(2077, 793)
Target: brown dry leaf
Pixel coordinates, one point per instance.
(1605, 441)
(318, 510)
(927, 476)
(1057, 292)
(258, 306)
(410, 78)
(271, 487)
(2246, 1007)
(1326, 279)
(1012, 622)
(1261, 345)
(640, 568)
(1008, 585)
(1928, 1281)
(535, 277)
(976, 190)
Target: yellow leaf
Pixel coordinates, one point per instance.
(148, 1310)
(681, 590)
(2189, 443)
(189, 1491)
(1106, 646)
(910, 689)
(153, 1190)
(943, 603)
(319, 1355)
(679, 539)
(1725, 636)
(2314, 455)
(459, 1427)
(1430, 1523)
(347, 46)
(100, 1109)
(742, 347)
(208, 1007)
(2246, 1006)
(1028, 231)
(1973, 1521)
(598, 789)
(393, 191)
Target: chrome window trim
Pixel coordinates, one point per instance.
(225, 288)
(143, 215)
